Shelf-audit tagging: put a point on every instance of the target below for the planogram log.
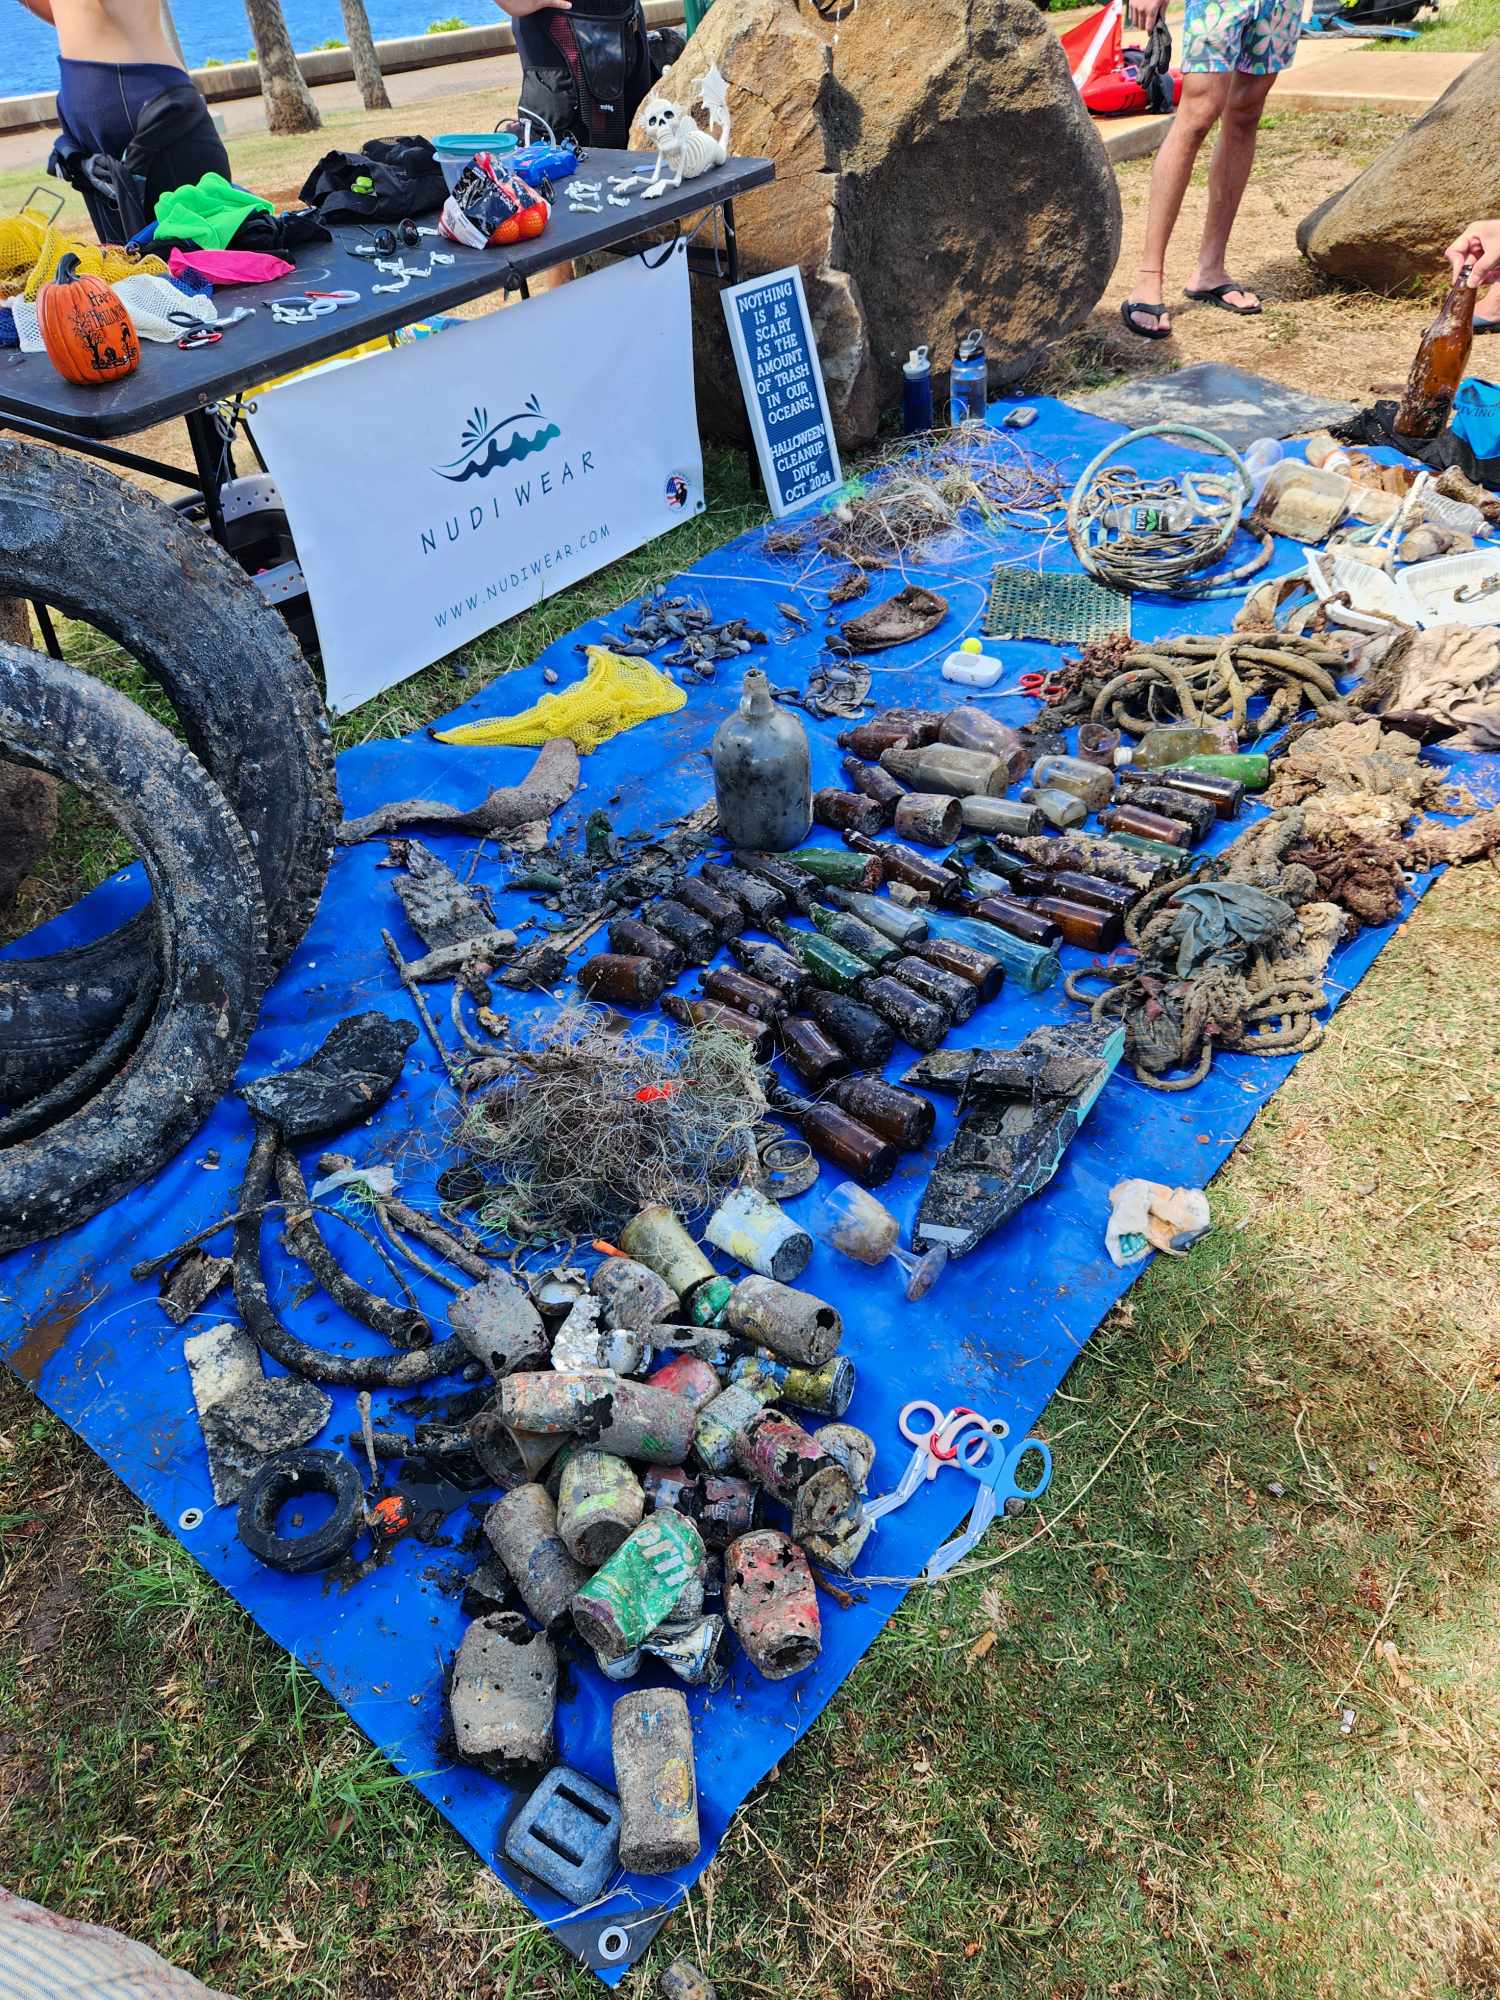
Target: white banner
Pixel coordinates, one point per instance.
(437, 490)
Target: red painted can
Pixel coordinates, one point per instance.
(772, 1603)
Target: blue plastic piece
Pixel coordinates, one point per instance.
(544, 162)
(567, 1835)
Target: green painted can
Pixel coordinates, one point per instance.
(656, 1569)
(1252, 768)
(707, 1305)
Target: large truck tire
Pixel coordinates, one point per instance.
(83, 541)
(207, 941)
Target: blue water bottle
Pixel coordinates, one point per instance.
(969, 383)
(916, 392)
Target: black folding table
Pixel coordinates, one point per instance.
(196, 384)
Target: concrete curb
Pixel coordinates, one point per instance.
(242, 79)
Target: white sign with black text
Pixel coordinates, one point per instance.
(439, 489)
(782, 381)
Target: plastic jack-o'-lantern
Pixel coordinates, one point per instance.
(85, 328)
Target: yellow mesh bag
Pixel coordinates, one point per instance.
(614, 694)
(30, 253)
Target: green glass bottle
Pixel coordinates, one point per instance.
(829, 963)
(860, 938)
(1252, 768)
(837, 864)
(1032, 966)
(1159, 850)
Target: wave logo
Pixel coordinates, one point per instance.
(486, 446)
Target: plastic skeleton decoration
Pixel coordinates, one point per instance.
(683, 149)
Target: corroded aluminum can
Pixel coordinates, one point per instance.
(502, 1699)
(628, 1418)
(791, 1323)
(521, 1528)
(634, 1295)
(651, 1735)
(794, 1469)
(759, 1234)
(772, 1603)
(599, 1502)
(656, 1571)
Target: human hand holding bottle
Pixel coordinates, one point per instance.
(1478, 246)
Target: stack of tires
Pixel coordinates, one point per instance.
(113, 1053)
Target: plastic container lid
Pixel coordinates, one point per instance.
(470, 143)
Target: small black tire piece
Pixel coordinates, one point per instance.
(210, 944)
(80, 539)
(283, 1478)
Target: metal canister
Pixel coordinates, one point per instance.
(723, 1507)
(651, 1735)
(772, 1603)
(509, 1456)
(791, 1323)
(793, 1468)
(838, 1546)
(721, 1421)
(502, 1698)
(689, 1648)
(618, 1415)
(688, 1376)
(658, 1240)
(760, 1234)
(829, 1389)
(633, 1294)
(521, 1528)
(656, 1569)
(853, 1448)
(585, 1340)
(599, 1502)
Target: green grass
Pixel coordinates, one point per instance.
(1471, 25)
(1105, 1763)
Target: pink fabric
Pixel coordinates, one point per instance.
(231, 267)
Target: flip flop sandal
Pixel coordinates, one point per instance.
(1216, 298)
(1144, 332)
(911, 614)
(1487, 326)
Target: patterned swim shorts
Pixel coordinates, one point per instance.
(1255, 37)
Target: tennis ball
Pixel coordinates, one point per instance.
(971, 646)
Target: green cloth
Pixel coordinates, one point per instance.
(208, 214)
(693, 12)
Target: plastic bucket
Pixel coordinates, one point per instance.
(454, 150)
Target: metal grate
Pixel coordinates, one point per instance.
(1065, 609)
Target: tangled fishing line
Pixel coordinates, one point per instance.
(587, 1124)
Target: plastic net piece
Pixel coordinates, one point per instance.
(613, 695)
(1065, 609)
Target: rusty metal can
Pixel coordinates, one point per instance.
(934, 818)
(853, 1448)
(651, 1735)
(502, 1698)
(828, 1389)
(655, 1571)
(625, 1417)
(633, 1294)
(521, 1528)
(510, 1457)
(758, 1233)
(837, 1547)
(658, 1240)
(721, 1421)
(791, 1323)
(688, 1376)
(723, 1507)
(599, 1502)
(793, 1468)
(586, 1340)
(772, 1603)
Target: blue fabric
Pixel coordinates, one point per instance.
(1476, 416)
(999, 1331)
(99, 104)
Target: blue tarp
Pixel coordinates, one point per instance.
(999, 1332)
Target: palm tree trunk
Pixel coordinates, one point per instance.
(366, 62)
(289, 103)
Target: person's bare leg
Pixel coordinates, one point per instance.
(1228, 173)
(1487, 306)
(1203, 94)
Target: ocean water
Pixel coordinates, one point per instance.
(28, 47)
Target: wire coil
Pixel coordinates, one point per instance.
(1165, 534)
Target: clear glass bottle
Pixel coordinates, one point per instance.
(762, 772)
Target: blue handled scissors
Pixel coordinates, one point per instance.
(995, 1471)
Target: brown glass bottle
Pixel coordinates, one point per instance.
(915, 1018)
(915, 726)
(903, 864)
(980, 968)
(815, 1058)
(970, 728)
(757, 897)
(1225, 795)
(638, 940)
(1146, 825)
(768, 962)
(1018, 918)
(898, 1115)
(845, 810)
(957, 998)
(875, 782)
(1080, 924)
(1197, 815)
(863, 1034)
(713, 1014)
(798, 888)
(622, 980)
(737, 989)
(722, 911)
(693, 936)
(1079, 888)
(1439, 365)
(838, 1137)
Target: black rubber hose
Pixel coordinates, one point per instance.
(210, 943)
(83, 541)
(351, 1371)
(403, 1326)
